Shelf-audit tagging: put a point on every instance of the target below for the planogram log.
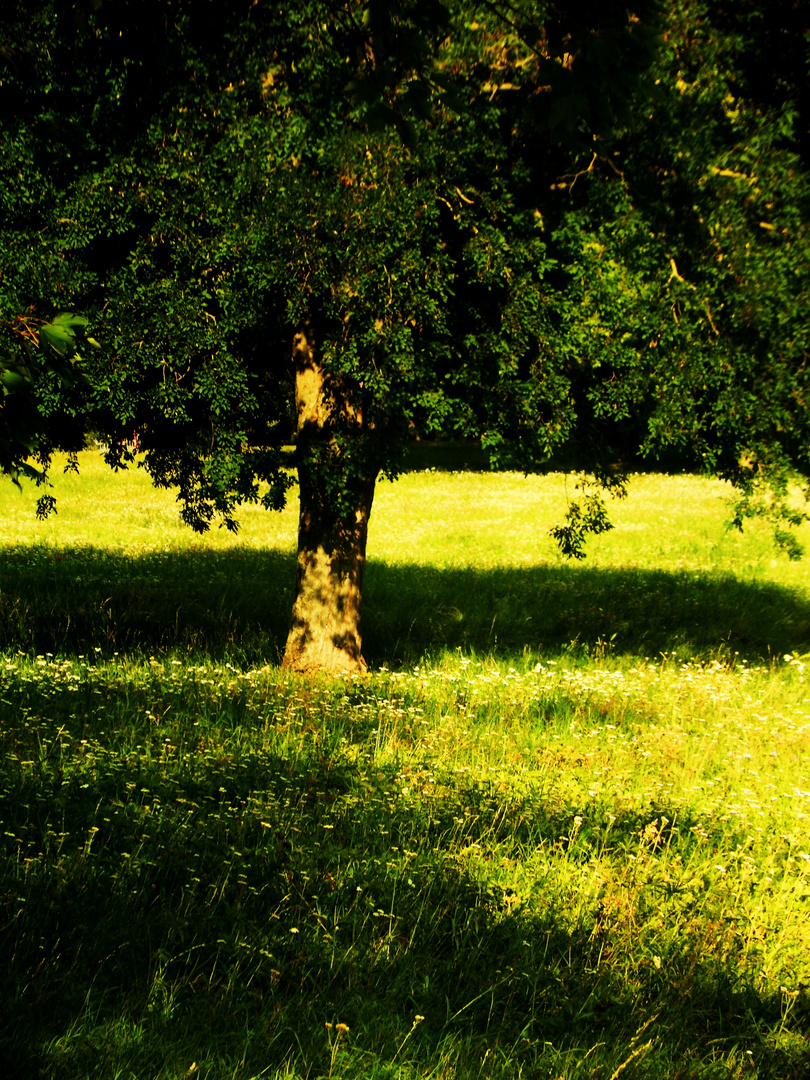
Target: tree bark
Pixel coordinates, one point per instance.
(336, 480)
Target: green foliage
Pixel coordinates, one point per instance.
(65, 334)
(34, 354)
(584, 517)
(773, 497)
(686, 245)
(363, 178)
(491, 229)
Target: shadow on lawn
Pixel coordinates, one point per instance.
(235, 605)
(166, 945)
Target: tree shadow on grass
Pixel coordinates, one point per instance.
(234, 606)
(222, 913)
(549, 609)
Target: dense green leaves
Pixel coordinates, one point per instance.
(35, 355)
(691, 239)
(65, 335)
(497, 223)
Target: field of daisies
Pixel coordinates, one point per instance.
(560, 830)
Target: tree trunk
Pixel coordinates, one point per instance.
(336, 479)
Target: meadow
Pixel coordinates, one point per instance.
(559, 831)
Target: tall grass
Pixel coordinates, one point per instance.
(559, 831)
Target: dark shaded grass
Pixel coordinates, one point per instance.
(232, 604)
(549, 609)
(235, 606)
(178, 890)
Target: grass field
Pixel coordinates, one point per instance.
(560, 831)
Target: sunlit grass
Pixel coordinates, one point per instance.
(538, 841)
(124, 513)
(438, 519)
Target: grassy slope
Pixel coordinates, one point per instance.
(560, 832)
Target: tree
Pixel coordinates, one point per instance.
(34, 352)
(356, 221)
(693, 237)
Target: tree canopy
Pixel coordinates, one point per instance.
(548, 225)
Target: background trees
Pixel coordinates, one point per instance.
(454, 219)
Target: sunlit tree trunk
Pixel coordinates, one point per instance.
(336, 492)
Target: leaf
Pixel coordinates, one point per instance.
(66, 319)
(62, 340)
(46, 505)
(13, 382)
